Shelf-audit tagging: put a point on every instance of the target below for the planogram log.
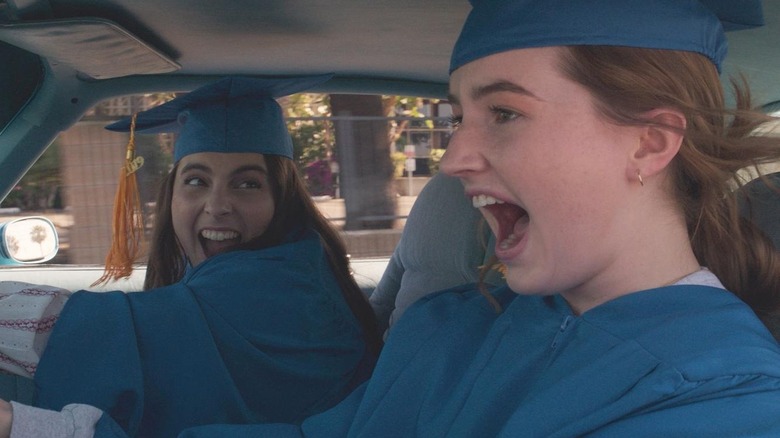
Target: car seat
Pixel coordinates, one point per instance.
(443, 245)
(760, 202)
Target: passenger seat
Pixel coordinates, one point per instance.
(443, 245)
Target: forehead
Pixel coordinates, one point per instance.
(222, 161)
(533, 71)
(527, 65)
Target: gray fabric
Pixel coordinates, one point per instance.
(442, 245)
(74, 421)
(113, 52)
(761, 203)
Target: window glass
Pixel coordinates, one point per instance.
(24, 70)
(365, 158)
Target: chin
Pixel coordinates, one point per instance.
(522, 285)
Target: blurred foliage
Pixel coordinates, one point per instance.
(435, 159)
(311, 131)
(40, 188)
(399, 163)
(314, 140)
(312, 135)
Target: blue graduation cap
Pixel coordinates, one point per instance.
(495, 26)
(234, 114)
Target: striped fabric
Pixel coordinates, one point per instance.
(27, 315)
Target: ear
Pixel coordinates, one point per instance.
(658, 143)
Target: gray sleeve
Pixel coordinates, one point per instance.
(442, 246)
(74, 421)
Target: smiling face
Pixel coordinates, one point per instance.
(546, 170)
(220, 200)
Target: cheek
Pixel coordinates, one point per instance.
(181, 213)
(259, 215)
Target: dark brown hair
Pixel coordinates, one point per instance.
(627, 82)
(294, 211)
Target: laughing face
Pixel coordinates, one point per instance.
(220, 200)
(545, 169)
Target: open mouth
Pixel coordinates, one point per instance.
(512, 220)
(215, 242)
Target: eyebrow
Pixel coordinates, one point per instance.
(495, 87)
(245, 168)
(499, 87)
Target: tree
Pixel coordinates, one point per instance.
(39, 189)
(363, 151)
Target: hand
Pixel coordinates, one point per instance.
(6, 417)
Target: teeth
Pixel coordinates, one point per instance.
(483, 200)
(218, 235)
(510, 241)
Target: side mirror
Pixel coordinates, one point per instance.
(28, 240)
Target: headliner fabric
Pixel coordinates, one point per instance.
(96, 47)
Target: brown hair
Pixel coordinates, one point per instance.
(294, 211)
(625, 83)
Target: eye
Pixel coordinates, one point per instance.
(455, 121)
(194, 181)
(502, 115)
(250, 184)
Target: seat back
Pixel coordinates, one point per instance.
(443, 245)
(760, 202)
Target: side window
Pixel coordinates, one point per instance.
(24, 70)
(364, 157)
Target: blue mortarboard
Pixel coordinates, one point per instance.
(234, 114)
(495, 26)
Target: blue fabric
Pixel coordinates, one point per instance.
(245, 337)
(234, 114)
(682, 361)
(494, 26)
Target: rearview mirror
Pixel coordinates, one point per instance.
(28, 240)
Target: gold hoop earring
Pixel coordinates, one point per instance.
(639, 176)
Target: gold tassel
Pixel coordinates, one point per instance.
(127, 230)
(494, 266)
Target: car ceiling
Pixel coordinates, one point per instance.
(394, 43)
(399, 42)
(376, 46)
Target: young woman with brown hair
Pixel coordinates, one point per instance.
(593, 137)
(250, 313)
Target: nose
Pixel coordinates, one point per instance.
(463, 155)
(218, 203)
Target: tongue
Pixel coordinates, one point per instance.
(520, 226)
(518, 230)
(214, 247)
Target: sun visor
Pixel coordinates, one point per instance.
(95, 47)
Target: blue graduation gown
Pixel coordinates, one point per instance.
(675, 361)
(245, 337)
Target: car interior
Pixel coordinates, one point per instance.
(59, 58)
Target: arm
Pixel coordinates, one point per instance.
(27, 315)
(21, 421)
(749, 408)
